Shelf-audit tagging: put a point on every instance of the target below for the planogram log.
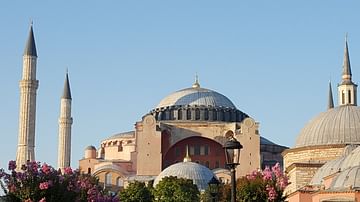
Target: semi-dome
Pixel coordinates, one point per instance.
(340, 125)
(327, 169)
(336, 165)
(351, 159)
(200, 174)
(347, 179)
(196, 96)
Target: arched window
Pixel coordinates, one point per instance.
(120, 147)
(107, 179)
(188, 114)
(197, 114)
(206, 114)
(343, 97)
(89, 170)
(180, 114)
(119, 182)
(215, 115)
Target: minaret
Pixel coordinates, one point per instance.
(331, 99)
(65, 122)
(27, 116)
(347, 89)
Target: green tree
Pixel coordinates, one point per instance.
(223, 195)
(136, 192)
(173, 189)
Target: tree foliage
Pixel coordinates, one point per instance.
(171, 189)
(136, 192)
(36, 182)
(266, 185)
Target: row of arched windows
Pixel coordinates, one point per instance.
(203, 114)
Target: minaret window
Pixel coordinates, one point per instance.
(349, 96)
(342, 97)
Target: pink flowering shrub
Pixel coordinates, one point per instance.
(36, 182)
(265, 185)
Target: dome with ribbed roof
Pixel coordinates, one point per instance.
(339, 125)
(200, 174)
(196, 96)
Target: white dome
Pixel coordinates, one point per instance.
(200, 174)
(196, 96)
(340, 125)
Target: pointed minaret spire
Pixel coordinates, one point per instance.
(65, 123)
(67, 91)
(196, 83)
(30, 48)
(346, 74)
(187, 157)
(347, 90)
(331, 100)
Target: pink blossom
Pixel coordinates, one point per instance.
(43, 199)
(267, 174)
(282, 182)
(271, 193)
(68, 171)
(45, 168)
(277, 170)
(44, 185)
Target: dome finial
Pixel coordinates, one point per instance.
(187, 157)
(196, 84)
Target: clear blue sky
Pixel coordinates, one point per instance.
(273, 59)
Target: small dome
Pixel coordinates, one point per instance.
(347, 179)
(196, 96)
(200, 174)
(340, 125)
(90, 148)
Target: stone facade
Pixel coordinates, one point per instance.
(302, 163)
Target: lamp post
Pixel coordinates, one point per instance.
(213, 188)
(230, 147)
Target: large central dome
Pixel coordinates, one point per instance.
(339, 125)
(197, 104)
(196, 96)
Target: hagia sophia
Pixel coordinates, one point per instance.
(184, 136)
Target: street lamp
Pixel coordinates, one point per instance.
(213, 188)
(232, 161)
